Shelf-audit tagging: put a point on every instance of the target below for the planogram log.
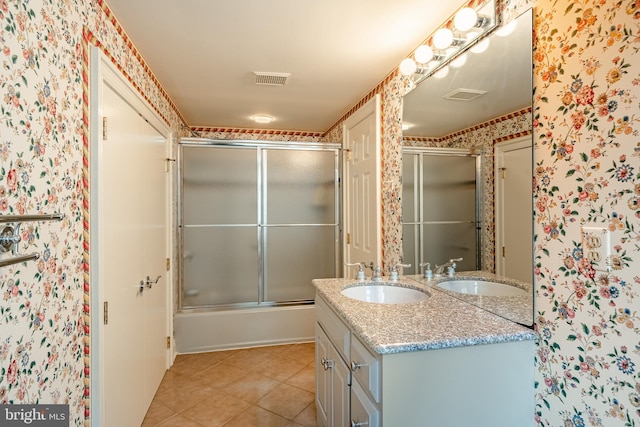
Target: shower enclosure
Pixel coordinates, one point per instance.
(441, 215)
(258, 222)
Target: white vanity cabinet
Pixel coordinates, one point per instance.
(489, 385)
(333, 378)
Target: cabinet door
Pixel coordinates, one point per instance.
(340, 395)
(363, 411)
(323, 377)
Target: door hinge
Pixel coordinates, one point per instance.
(168, 264)
(167, 163)
(504, 252)
(168, 342)
(105, 310)
(348, 238)
(503, 172)
(104, 128)
(347, 153)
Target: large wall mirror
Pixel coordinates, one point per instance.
(479, 106)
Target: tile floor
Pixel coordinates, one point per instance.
(255, 387)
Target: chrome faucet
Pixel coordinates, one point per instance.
(377, 274)
(450, 266)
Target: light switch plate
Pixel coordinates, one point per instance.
(596, 247)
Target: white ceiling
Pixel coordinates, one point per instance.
(204, 53)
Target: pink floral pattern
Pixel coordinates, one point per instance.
(587, 173)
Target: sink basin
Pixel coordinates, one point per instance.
(482, 287)
(385, 294)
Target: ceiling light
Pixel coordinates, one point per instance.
(423, 54)
(408, 66)
(262, 119)
(465, 19)
(443, 38)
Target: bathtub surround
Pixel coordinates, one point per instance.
(585, 69)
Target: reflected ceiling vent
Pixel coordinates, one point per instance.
(464, 94)
(271, 79)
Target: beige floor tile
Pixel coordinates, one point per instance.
(258, 417)
(182, 398)
(308, 417)
(305, 352)
(157, 413)
(251, 358)
(180, 421)
(281, 368)
(305, 379)
(252, 387)
(220, 376)
(216, 410)
(286, 400)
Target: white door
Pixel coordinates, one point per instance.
(362, 198)
(129, 243)
(514, 209)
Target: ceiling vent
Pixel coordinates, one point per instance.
(464, 94)
(271, 79)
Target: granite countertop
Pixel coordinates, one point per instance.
(441, 321)
(516, 308)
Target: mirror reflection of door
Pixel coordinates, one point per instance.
(514, 210)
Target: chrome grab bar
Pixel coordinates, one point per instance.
(10, 236)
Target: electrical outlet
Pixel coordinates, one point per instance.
(596, 247)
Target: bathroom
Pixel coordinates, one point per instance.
(585, 160)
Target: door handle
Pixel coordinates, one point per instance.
(148, 282)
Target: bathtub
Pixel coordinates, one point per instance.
(230, 329)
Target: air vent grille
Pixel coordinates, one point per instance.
(271, 79)
(464, 94)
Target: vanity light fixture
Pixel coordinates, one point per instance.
(465, 29)
(459, 61)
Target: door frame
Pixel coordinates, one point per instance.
(499, 149)
(104, 72)
(371, 108)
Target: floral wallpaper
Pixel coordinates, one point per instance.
(587, 173)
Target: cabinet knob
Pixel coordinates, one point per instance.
(355, 423)
(355, 365)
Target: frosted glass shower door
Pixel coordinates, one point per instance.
(258, 223)
(219, 226)
(440, 218)
(300, 222)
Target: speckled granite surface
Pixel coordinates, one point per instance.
(516, 308)
(439, 322)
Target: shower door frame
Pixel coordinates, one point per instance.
(418, 202)
(260, 147)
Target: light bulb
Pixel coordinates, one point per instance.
(443, 38)
(423, 54)
(459, 61)
(465, 19)
(408, 66)
(507, 29)
(481, 46)
(442, 72)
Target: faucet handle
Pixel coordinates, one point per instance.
(394, 270)
(360, 275)
(428, 274)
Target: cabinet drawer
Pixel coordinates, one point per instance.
(365, 367)
(337, 331)
(363, 411)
